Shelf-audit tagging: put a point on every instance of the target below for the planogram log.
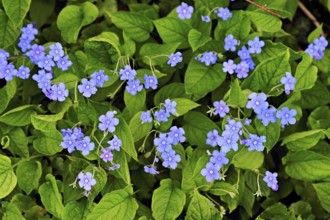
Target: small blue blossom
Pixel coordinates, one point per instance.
(106, 155)
(115, 143)
(219, 158)
(46, 63)
(108, 122)
(257, 102)
(211, 172)
(289, 82)
(56, 51)
(230, 43)
(29, 32)
(86, 181)
(205, 18)
(64, 63)
(229, 66)
(255, 45)
(267, 116)
(134, 86)
(174, 59)
(228, 140)
(146, 117)
(114, 167)
(271, 180)
(24, 44)
(247, 121)
(250, 62)
(320, 43)
(8, 72)
(36, 53)
(127, 73)
(151, 169)
(99, 78)
(85, 146)
(163, 143)
(184, 11)
(208, 58)
(4, 55)
(233, 126)
(177, 135)
(213, 138)
(59, 92)
(171, 159)
(170, 106)
(254, 142)
(223, 13)
(23, 72)
(162, 115)
(221, 108)
(150, 82)
(77, 132)
(69, 142)
(286, 116)
(88, 87)
(244, 53)
(242, 69)
(43, 79)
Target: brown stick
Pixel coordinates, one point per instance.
(308, 14)
(263, 8)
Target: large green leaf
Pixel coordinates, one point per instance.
(184, 105)
(303, 140)
(237, 97)
(108, 37)
(11, 212)
(322, 191)
(118, 204)
(317, 96)
(7, 93)
(8, 179)
(46, 123)
(9, 32)
(264, 21)
(156, 54)
(48, 143)
(74, 211)
(16, 142)
(72, 18)
(135, 103)
(272, 132)
(136, 26)
(28, 175)
(19, 116)
(248, 159)
(167, 200)
(200, 207)
(16, 10)
(306, 74)
(139, 129)
(197, 39)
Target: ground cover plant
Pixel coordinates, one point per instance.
(204, 109)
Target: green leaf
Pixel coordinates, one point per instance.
(249, 160)
(19, 116)
(79, 61)
(197, 39)
(28, 175)
(241, 29)
(123, 171)
(139, 129)
(135, 103)
(70, 80)
(167, 200)
(46, 6)
(11, 212)
(302, 140)
(124, 134)
(196, 127)
(264, 21)
(173, 30)
(46, 123)
(322, 191)
(317, 96)
(48, 143)
(199, 208)
(16, 10)
(6, 93)
(237, 97)
(72, 18)
(184, 105)
(272, 132)
(172, 90)
(118, 204)
(315, 34)
(135, 26)
(318, 119)
(108, 37)
(100, 54)
(200, 79)
(268, 73)
(8, 179)
(9, 32)
(306, 74)
(157, 54)
(16, 142)
(307, 165)
(223, 188)
(101, 179)
(74, 211)
(51, 197)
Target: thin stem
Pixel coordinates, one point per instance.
(309, 14)
(117, 89)
(264, 8)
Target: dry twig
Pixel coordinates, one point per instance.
(264, 8)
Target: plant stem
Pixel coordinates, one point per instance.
(264, 8)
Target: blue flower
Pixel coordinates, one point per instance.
(247, 121)
(64, 63)
(229, 66)
(24, 44)
(87, 88)
(230, 43)
(254, 142)
(242, 69)
(206, 18)
(106, 155)
(320, 43)
(59, 92)
(127, 73)
(29, 32)
(208, 58)
(162, 115)
(78, 133)
(4, 55)
(43, 79)
(221, 108)
(99, 78)
(150, 169)
(85, 146)
(271, 180)
(233, 126)
(23, 72)
(257, 102)
(255, 45)
(286, 116)
(36, 53)
(108, 122)
(177, 135)
(289, 82)
(244, 53)
(267, 115)
(134, 86)
(150, 82)
(213, 138)
(46, 63)
(163, 143)
(184, 11)
(171, 159)
(174, 59)
(146, 117)
(8, 72)
(228, 140)
(223, 13)
(211, 172)
(86, 181)
(69, 142)
(56, 51)
(250, 62)
(114, 167)
(115, 143)
(219, 158)
(170, 106)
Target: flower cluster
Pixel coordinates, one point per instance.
(107, 153)
(271, 180)
(88, 87)
(76, 140)
(316, 49)
(8, 70)
(161, 115)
